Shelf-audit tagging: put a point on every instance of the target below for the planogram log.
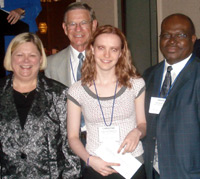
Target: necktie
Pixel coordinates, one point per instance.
(80, 56)
(167, 82)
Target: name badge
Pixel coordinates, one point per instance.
(109, 133)
(156, 105)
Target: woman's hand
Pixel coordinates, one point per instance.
(131, 141)
(102, 167)
(15, 15)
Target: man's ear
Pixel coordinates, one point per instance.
(94, 25)
(64, 26)
(194, 37)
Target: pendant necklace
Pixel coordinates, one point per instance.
(26, 94)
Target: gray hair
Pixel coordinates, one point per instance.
(80, 5)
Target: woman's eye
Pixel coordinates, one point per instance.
(100, 48)
(114, 50)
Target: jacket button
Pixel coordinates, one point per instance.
(23, 156)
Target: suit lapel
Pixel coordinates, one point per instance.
(181, 80)
(38, 107)
(156, 80)
(153, 87)
(40, 104)
(64, 70)
(68, 66)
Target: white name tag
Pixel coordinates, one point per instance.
(156, 105)
(109, 133)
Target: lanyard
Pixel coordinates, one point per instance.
(72, 70)
(191, 59)
(101, 106)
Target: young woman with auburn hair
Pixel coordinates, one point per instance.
(109, 95)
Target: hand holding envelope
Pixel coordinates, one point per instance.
(128, 164)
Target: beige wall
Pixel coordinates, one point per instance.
(105, 10)
(190, 8)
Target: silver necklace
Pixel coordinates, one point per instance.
(25, 94)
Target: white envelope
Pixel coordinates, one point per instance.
(128, 164)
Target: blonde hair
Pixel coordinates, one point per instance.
(20, 39)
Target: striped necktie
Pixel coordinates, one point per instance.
(167, 82)
(80, 57)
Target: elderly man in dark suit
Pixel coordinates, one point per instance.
(172, 145)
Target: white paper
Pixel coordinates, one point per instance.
(128, 164)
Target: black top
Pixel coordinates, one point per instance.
(23, 102)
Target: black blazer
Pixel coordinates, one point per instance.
(177, 127)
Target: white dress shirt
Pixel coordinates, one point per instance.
(74, 63)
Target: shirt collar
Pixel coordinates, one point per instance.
(75, 53)
(177, 67)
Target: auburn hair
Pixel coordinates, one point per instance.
(124, 69)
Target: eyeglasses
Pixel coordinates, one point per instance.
(83, 24)
(175, 36)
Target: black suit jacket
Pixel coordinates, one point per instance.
(177, 127)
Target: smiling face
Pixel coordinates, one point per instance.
(106, 51)
(25, 61)
(176, 49)
(79, 35)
